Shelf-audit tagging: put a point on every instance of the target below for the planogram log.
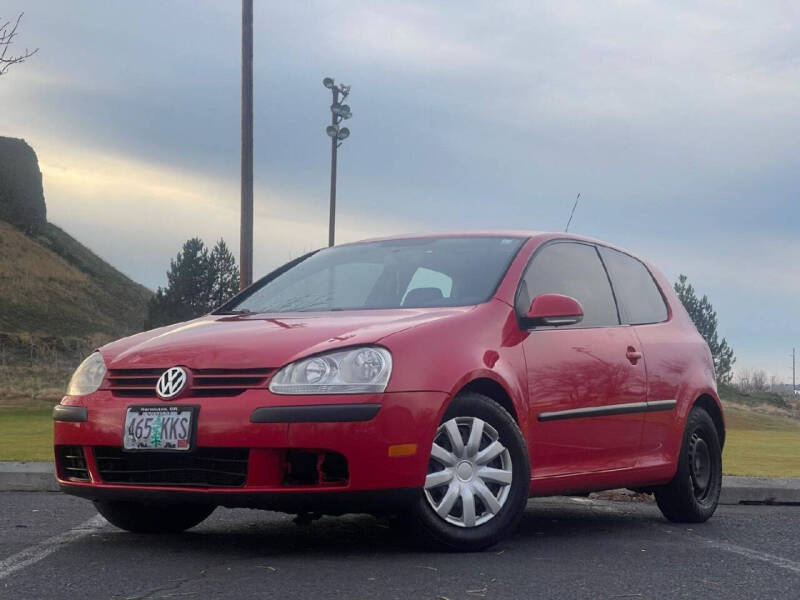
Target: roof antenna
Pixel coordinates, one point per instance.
(566, 229)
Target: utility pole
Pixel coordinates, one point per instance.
(246, 228)
(339, 112)
(793, 373)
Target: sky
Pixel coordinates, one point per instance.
(678, 122)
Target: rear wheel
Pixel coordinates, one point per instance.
(693, 494)
(153, 518)
(478, 477)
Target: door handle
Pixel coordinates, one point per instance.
(633, 355)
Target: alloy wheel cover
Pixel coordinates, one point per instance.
(469, 473)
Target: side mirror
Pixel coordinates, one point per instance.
(553, 310)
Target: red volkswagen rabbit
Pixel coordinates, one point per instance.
(446, 377)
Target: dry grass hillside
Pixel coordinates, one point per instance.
(52, 285)
(58, 300)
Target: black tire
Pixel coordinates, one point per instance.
(153, 518)
(444, 535)
(693, 494)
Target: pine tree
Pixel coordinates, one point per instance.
(197, 282)
(705, 320)
(224, 275)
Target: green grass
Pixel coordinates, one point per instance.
(763, 445)
(756, 444)
(26, 434)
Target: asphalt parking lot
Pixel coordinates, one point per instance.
(55, 546)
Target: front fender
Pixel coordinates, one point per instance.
(505, 378)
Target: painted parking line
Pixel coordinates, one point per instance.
(773, 559)
(37, 552)
(766, 557)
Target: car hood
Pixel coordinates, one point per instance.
(253, 341)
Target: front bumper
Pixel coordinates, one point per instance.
(339, 502)
(367, 430)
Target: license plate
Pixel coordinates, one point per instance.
(159, 428)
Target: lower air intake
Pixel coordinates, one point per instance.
(72, 463)
(204, 467)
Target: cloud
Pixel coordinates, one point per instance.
(679, 122)
(136, 214)
(411, 37)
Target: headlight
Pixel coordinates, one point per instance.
(88, 376)
(362, 370)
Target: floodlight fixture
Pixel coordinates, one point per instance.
(339, 112)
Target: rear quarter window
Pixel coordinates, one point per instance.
(639, 298)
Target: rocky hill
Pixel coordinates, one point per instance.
(21, 194)
(57, 298)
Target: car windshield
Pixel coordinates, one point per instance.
(404, 273)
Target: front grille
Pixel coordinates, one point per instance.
(203, 467)
(141, 383)
(133, 382)
(227, 382)
(72, 463)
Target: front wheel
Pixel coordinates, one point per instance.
(478, 478)
(693, 494)
(153, 518)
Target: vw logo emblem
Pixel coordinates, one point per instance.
(171, 383)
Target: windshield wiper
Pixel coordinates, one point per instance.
(236, 311)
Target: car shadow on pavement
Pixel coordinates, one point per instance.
(230, 533)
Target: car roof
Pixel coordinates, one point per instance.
(540, 236)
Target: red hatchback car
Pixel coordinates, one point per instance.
(446, 378)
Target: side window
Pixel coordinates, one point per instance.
(426, 287)
(575, 270)
(637, 293)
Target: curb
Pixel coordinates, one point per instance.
(27, 477)
(40, 477)
(762, 490)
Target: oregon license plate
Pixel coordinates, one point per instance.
(159, 428)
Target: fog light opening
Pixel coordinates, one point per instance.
(315, 467)
(333, 468)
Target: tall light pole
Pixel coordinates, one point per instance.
(246, 227)
(339, 112)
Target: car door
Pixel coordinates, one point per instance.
(667, 356)
(586, 382)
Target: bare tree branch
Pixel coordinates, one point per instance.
(6, 40)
